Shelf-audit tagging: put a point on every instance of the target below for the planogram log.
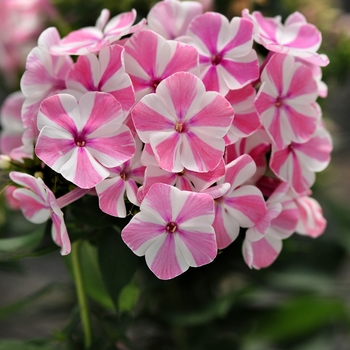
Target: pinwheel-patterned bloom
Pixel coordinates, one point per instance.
(93, 39)
(122, 180)
(184, 124)
(227, 60)
(296, 37)
(173, 230)
(286, 101)
(170, 18)
(297, 163)
(149, 59)
(241, 205)
(38, 204)
(81, 140)
(263, 242)
(105, 73)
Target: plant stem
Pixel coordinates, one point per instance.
(82, 299)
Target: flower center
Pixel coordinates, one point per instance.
(171, 227)
(80, 141)
(216, 59)
(123, 176)
(179, 127)
(278, 102)
(154, 84)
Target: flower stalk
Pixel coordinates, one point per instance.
(81, 295)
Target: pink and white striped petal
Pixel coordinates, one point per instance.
(311, 220)
(94, 39)
(170, 18)
(246, 120)
(167, 232)
(261, 253)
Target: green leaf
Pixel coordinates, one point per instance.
(301, 316)
(12, 248)
(128, 297)
(117, 263)
(92, 277)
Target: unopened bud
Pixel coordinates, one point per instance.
(38, 174)
(5, 162)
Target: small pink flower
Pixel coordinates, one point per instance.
(227, 60)
(105, 73)
(173, 230)
(296, 37)
(149, 59)
(93, 39)
(239, 205)
(38, 204)
(184, 124)
(44, 76)
(286, 101)
(122, 180)
(81, 140)
(297, 163)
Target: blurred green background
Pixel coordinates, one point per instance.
(301, 302)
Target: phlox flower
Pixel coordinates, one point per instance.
(173, 230)
(80, 140)
(184, 124)
(122, 180)
(170, 18)
(263, 242)
(256, 146)
(286, 101)
(104, 73)
(149, 59)
(246, 120)
(38, 204)
(93, 39)
(44, 76)
(240, 205)
(297, 163)
(227, 60)
(296, 37)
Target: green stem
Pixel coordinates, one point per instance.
(82, 298)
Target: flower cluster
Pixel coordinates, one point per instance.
(176, 115)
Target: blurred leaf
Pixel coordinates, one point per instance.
(117, 263)
(301, 316)
(128, 297)
(11, 248)
(92, 277)
(215, 309)
(19, 305)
